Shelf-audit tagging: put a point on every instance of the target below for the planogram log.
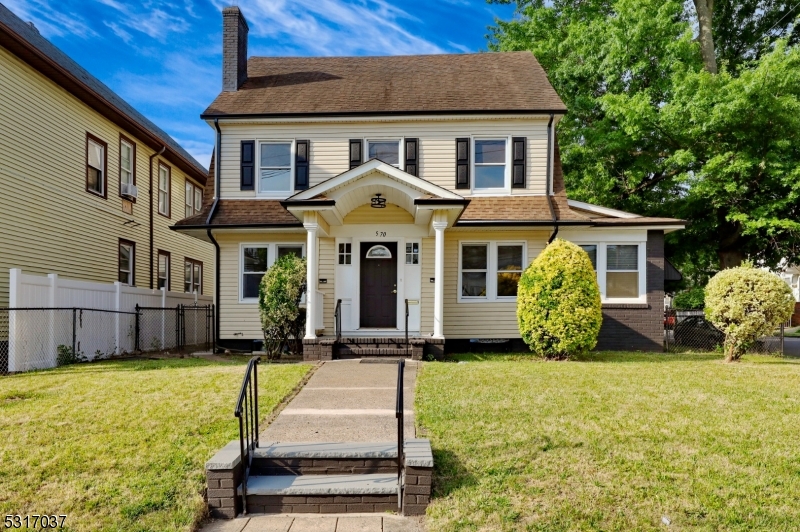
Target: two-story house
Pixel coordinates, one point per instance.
(424, 184)
(89, 187)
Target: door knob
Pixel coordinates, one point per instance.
(394, 291)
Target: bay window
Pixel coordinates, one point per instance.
(490, 271)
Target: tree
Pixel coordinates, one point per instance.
(746, 303)
(705, 14)
(558, 302)
(279, 295)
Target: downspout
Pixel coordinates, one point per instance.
(159, 152)
(217, 166)
(549, 179)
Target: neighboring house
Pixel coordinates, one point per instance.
(88, 186)
(434, 179)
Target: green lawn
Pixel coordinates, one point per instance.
(122, 445)
(614, 441)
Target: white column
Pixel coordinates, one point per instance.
(438, 286)
(312, 275)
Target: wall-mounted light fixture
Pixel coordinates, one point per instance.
(378, 202)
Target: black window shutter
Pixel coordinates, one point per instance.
(247, 174)
(462, 163)
(412, 150)
(356, 155)
(301, 165)
(518, 162)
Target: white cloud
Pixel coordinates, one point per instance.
(50, 19)
(182, 81)
(332, 27)
(154, 19)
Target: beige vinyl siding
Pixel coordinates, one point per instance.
(391, 214)
(50, 223)
(327, 268)
(481, 319)
(241, 320)
(329, 146)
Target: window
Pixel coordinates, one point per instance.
(163, 269)
(345, 253)
(254, 266)
(127, 165)
(95, 165)
(256, 259)
(622, 271)
(387, 151)
(164, 179)
(591, 250)
(490, 271)
(275, 167)
(490, 164)
(192, 276)
(194, 199)
(412, 253)
(378, 252)
(126, 261)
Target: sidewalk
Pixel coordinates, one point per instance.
(316, 523)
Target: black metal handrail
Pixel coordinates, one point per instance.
(401, 364)
(408, 346)
(337, 319)
(247, 412)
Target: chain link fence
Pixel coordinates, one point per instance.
(39, 338)
(689, 330)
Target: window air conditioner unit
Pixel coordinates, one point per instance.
(128, 190)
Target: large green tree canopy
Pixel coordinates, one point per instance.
(652, 129)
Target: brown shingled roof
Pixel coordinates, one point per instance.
(484, 82)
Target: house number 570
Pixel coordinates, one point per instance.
(380, 233)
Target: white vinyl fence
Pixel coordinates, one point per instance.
(49, 313)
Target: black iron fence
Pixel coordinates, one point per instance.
(39, 338)
(689, 330)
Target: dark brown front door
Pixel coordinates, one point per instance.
(379, 284)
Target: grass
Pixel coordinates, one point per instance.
(613, 442)
(122, 445)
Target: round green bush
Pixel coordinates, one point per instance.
(690, 299)
(279, 295)
(746, 303)
(558, 302)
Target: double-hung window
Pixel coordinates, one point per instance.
(95, 165)
(591, 250)
(192, 276)
(127, 161)
(163, 269)
(275, 168)
(490, 167)
(619, 270)
(490, 271)
(125, 262)
(164, 200)
(387, 151)
(256, 259)
(194, 199)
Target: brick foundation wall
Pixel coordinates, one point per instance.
(639, 327)
(223, 501)
(327, 504)
(417, 494)
(309, 466)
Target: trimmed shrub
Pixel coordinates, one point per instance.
(690, 299)
(746, 303)
(558, 302)
(279, 296)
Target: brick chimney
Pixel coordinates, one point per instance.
(234, 49)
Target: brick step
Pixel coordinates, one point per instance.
(305, 458)
(322, 493)
(372, 351)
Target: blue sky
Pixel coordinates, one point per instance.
(163, 56)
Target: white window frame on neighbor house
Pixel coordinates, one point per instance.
(292, 156)
(193, 200)
(401, 160)
(506, 188)
(491, 269)
(166, 192)
(127, 176)
(272, 255)
(602, 269)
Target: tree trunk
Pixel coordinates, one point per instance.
(729, 259)
(705, 11)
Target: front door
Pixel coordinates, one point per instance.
(379, 284)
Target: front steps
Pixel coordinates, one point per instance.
(329, 348)
(306, 477)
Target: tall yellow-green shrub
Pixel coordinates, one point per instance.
(558, 302)
(746, 303)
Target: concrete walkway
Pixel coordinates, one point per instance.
(316, 523)
(347, 401)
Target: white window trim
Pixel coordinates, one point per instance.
(168, 272)
(124, 142)
(491, 270)
(506, 189)
(345, 253)
(272, 256)
(131, 262)
(168, 191)
(419, 253)
(401, 160)
(602, 268)
(280, 194)
(186, 203)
